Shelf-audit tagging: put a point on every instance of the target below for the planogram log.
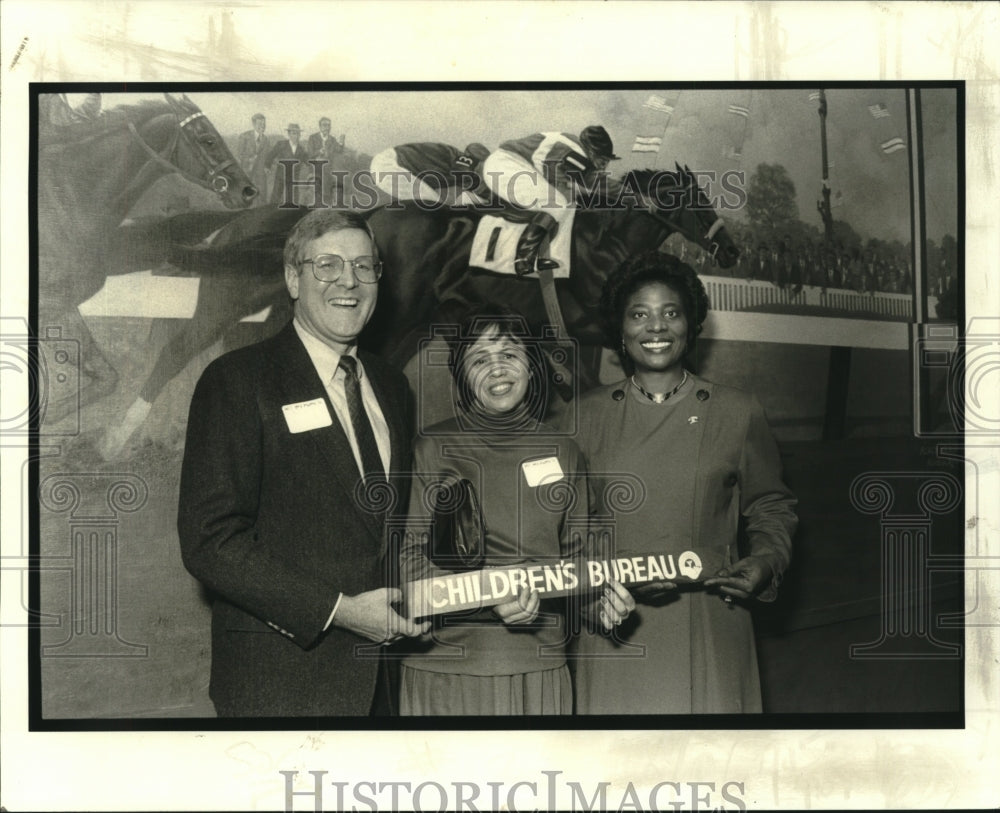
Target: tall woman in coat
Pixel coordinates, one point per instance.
(693, 457)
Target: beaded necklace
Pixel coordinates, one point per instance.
(660, 397)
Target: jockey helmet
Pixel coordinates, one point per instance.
(477, 152)
(597, 142)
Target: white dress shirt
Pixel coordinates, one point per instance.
(326, 360)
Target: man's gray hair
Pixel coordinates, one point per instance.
(319, 222)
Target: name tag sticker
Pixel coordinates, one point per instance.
(307, 415)
(542, 472)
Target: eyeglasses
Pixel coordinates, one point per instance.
(329, 267)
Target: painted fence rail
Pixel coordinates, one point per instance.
(726, 294)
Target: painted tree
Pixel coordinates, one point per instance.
(844, 235)
(771, 202)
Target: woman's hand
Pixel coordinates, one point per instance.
(615, 605)
(742, 579)
(522, 610)
(654, 591)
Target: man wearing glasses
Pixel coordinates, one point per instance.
(292, 446)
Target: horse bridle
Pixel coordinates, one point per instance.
(219, 182)
(668, 219)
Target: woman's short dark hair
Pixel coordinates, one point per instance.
(508, 324)
(640, 270)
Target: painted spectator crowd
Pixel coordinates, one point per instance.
(871, 268)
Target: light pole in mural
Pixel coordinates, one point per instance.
(824, 205)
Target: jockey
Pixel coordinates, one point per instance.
(432, 173)
(541, 173)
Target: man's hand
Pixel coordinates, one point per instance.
(742, 579)
(371, 616)
(522, 610)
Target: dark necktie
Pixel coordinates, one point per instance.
(371, 460)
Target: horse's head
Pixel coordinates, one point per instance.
(194, 149)
(676, 200)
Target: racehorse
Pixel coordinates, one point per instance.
(427, 275)
(427, 256)
(90, 174)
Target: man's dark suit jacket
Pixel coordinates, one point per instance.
(333, 146)
(301, 170)
(253, 160)
(270, 523)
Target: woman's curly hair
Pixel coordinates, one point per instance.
(640, 270)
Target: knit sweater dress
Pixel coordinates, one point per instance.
(472, 663)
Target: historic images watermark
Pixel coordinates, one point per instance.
(50, 365)
(548, 792)
(906, 502)
(664, 190)
(92, 502)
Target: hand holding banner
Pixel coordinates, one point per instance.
(455, 592)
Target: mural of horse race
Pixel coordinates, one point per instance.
(824, 223)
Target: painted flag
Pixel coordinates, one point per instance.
(878, 111)
(814, 97)
(893, 145)
(647, 143)
(739, 110)
(659, 104)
